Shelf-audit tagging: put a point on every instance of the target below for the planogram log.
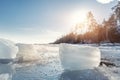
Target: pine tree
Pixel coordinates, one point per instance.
(117, 11)
(91, 22)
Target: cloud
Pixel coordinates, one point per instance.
(105, 1)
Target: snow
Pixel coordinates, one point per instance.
(75, 57)
(111, 72)
(111, 54)
(8, 49)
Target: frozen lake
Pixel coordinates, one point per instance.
(48, 67)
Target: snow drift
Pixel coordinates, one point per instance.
(27, 52)
(76, 57)
(8, 49)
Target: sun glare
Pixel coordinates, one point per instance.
(79, 16)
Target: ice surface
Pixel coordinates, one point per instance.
(75, 57)
(53, 70)
(27, 52)
(111, 54)
(87, 74)
(6, 71)
(8, 49)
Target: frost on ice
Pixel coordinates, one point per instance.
(75, 57)
(8, 49)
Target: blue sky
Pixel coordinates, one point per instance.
(43, 21)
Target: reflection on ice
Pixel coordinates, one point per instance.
(6, 71)
(88, 74)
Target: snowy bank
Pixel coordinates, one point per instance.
(76, 57)
(8, 50)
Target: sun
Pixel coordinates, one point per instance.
(79, 21)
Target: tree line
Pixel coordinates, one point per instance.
(107, 31)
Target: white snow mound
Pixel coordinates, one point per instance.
(8, 49)
(76, 57)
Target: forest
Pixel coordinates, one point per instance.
(106, 32)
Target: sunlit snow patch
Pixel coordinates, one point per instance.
(76, 57)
